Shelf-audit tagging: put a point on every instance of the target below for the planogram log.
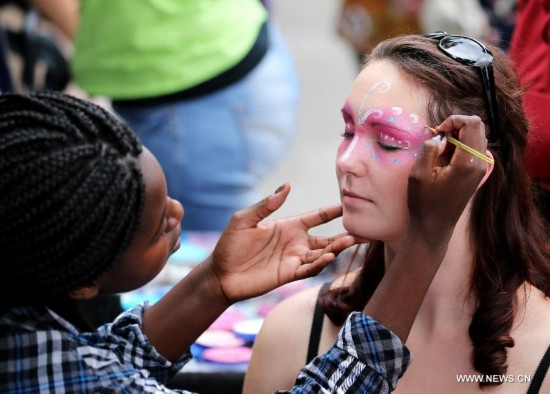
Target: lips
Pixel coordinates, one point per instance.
(351, 200)
(350, 194)
(178, 241)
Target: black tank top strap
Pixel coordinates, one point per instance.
(540, 373)
(316, 326)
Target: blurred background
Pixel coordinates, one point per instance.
(326, 66)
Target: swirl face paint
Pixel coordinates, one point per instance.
(389, 134)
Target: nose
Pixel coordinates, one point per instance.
(175, 214)
(350, 159)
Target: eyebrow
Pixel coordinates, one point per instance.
(345, 110)
(160, 225)
(389, 125)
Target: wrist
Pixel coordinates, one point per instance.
(195, 302)
(209, 285)
(429, 238)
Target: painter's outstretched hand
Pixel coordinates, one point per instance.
(253, 257)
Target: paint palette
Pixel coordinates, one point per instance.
(219, 339)
(248, 329)
(235, 355)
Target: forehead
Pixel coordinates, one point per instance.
(381, 85)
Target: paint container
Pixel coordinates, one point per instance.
(248, 329)
(266, 308)
(215, 339)
(219, 338)
(233, 355)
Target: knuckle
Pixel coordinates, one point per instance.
(323, 215)
(238, 215)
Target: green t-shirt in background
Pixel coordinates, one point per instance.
(130, 49)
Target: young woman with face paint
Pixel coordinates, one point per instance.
(483, 324)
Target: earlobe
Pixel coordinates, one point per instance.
(488, 170)
(85, 292)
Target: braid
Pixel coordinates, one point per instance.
(71, 193)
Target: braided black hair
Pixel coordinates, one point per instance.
(71, 193)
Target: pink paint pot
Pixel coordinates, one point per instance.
(248, 329)
(219, 338)
(234, 355)
(266, 308)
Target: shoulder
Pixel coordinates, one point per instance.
(291, 319)
(289, 323)
(280, 350)
(281, 346)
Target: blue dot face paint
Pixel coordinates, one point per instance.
(389, 135)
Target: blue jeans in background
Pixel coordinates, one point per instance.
(216, 149)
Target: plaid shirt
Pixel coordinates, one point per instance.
(41, 352)
(367, 358)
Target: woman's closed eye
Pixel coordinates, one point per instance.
(349, 128)
(347, 134)
(390, 143)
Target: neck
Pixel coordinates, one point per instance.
(69, 309)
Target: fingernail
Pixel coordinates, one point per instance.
(279, 189)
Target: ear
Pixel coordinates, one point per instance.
(85, 292)
(488, 170)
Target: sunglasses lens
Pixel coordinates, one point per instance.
(466, 51)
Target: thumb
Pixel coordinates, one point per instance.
(251, 216)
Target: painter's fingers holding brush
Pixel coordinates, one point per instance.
(470, 133)
(438, 194)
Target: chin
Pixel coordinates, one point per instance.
(357, 228)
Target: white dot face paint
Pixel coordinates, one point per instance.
(391, 135)
(384, 118)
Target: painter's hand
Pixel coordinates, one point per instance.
(252, 258)
(437, 194)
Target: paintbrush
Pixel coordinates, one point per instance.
(463, 146)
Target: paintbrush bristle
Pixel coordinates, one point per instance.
(432, 129)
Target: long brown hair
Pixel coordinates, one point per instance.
(508, 237)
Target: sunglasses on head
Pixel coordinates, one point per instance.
(471, 52)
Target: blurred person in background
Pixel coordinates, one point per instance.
(364, 23)
(502, 18)
(209, 87)
(466, 17)
(33, 44)
(530, 50)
